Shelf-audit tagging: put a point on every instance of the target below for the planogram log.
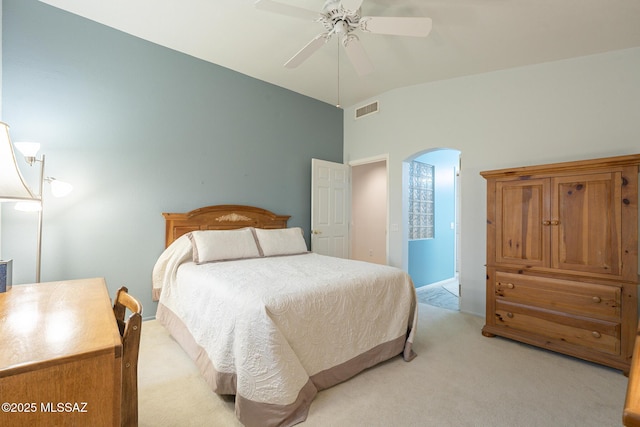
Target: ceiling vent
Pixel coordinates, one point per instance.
(367, 110)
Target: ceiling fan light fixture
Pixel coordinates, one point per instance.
(341, 27)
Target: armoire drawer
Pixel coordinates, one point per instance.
(588, 299)
(600, 335)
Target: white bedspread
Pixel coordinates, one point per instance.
(276, 322)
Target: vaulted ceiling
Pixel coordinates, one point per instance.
(468, 37)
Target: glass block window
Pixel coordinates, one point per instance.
(421, 220)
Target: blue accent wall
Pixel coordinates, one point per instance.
(139, 130)
(433, 260)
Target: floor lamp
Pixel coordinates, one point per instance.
(13, 187)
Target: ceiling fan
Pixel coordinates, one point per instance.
(342, 18)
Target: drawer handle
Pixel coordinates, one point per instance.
(546, 222)
(510, 315)
(506, 285)
(555, 222)
(597, 299)
(595, 334)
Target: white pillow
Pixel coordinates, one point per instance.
(281, 241)
(221, 245)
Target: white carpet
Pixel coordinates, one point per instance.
(459, 378)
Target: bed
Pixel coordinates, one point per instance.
(269, 322)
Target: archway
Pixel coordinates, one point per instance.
(431, 215)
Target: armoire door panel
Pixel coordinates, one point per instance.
(586, 223)
(521, 233)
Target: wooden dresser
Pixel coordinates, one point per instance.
(60, 355)
(562, 257)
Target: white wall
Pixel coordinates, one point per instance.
(574, 109)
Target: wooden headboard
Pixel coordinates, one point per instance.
(220, 217)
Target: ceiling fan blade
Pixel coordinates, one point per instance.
(304, 53)
(351, 5)
(411, 26)
(285, 9)
(357, 55)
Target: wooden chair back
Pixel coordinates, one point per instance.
(130, 329)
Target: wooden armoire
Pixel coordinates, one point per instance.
(562, 257)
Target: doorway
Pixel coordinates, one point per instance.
(369, 210)
(433, 261)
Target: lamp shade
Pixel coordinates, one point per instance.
(12, 185)
(60, 188)
(28, 149)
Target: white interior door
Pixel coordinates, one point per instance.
(330, 208)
